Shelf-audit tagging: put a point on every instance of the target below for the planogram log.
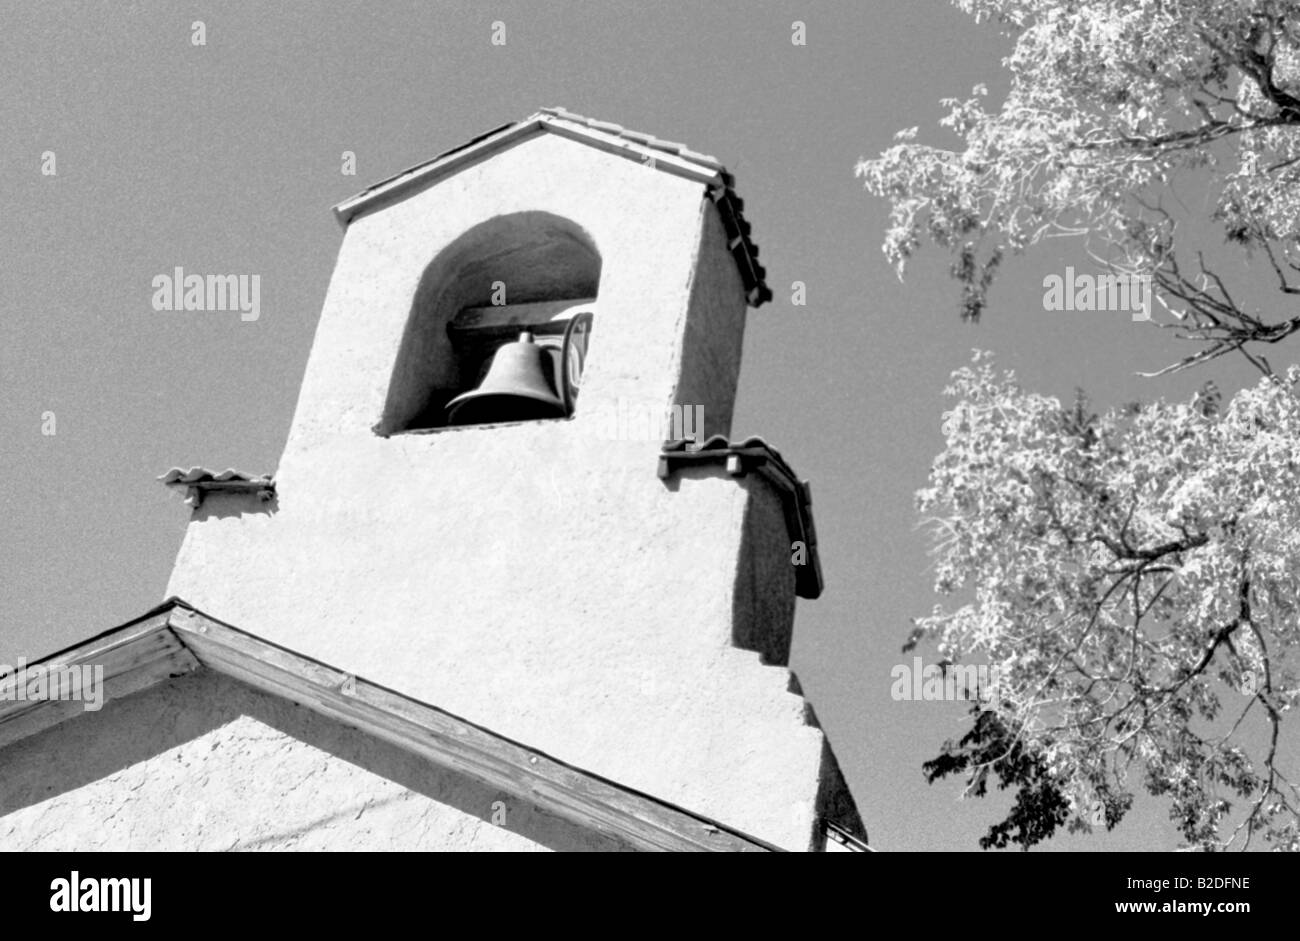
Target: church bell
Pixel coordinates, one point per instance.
(517, 387)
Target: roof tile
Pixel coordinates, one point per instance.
(752, 272)
(729, 205)
(607, 126)
(756, 455)
(196, 481)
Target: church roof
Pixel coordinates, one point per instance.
(176, 639)
(667, 156)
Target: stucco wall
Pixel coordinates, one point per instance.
(205, 762)
(535, 578)
(713, 335)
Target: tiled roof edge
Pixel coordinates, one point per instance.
(668, 156)
(756, 455)
(196, 481)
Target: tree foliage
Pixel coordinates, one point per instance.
(1133, 580)
(1111, 102)
(1132, 576)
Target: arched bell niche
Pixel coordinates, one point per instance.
(529, 271)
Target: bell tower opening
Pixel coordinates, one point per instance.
(498, 327)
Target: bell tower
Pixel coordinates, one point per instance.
(476, 506)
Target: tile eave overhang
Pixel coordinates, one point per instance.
(663, 155)
(196, 482)
(175, 639)
(754, 455)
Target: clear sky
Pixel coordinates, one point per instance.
(226, 158)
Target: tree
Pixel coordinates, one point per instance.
(1112, 102)
(1134, 584)
(1132, 575)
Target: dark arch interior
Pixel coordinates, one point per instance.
(528, 257)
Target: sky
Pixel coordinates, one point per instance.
(226, 157)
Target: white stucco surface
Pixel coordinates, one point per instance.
(534, 578)
(206, 763)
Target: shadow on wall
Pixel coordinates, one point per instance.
(153, 727)
(518, 258)
(227, 506)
